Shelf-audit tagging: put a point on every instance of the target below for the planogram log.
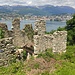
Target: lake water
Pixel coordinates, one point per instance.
(50, 25)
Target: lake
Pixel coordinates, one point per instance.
(50, 25)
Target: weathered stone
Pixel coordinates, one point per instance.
(43, 41)
(4, 27)
(59, 41)
(18, 39)
(1, 50)
(5, 41)
(40, 41)
(2, 46)
(6, 51)
(10, 33)
(1, 62)
(40, 27)
(28, 30)
(22, 37)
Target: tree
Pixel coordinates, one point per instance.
(71, 31)
(61, 29)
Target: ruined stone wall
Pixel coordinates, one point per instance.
(4, 27)
(56, 41)
(29, 32)
(59, 41)
(22, 37)
(40, 27)
(18, 36)
(6, 48)
(41, 43)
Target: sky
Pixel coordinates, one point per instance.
(70, 3)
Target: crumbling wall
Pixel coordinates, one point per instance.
(6, 51)
(57, 41)
(18, 36)
(39, 31)
(41, 43)
(29, 32)
(22, 37)
(4, 27)
(40, 40)
(40, 27)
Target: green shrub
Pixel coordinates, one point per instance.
(71, 31)
(66, 69)
(1, 33)
(57, 56)
(51, 32)
(29, 31)
(70, 54)
(61, 29)
(12, 69)
(46, 55)
(45, 73)
(24, 54)
(36, 65)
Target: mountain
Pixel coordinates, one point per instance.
(37, 10)
(58, 9)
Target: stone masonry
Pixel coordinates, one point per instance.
(40, 27)
(7, 50)
(59, 41)
(18, 38)
(5, 29)
(21, 37)
(56, 41)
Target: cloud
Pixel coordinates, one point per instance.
(39, 2)
(29, 2)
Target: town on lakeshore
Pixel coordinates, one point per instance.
(10, 16)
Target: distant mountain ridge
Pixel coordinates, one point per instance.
(37, 10)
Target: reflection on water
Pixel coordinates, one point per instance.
(50, 25)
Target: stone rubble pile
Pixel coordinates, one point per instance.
(6, 51)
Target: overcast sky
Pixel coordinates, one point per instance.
(39, 2)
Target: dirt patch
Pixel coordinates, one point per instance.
(39, 65)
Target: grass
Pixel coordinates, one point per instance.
(67, 61)
(65, 64)
(67, 68)
(46, 55)
(13, 69)
(36, 65)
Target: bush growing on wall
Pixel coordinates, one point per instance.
(1, 33)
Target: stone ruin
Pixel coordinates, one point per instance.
(13, 40)
(7, 50)
(20, 38)
(57, 41)
(5, 29)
